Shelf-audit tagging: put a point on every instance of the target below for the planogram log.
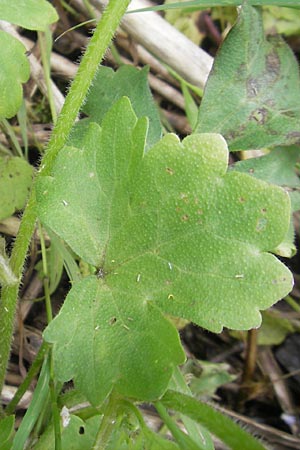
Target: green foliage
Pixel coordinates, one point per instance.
(14, 66)
(256, 79)
(161, 228)
(274, 329)
(217, 423)
(200, 4)
(110, 86)
(159, 218)
(14, 70)
(206, 377)
(15, 181)
(282, 20)
(30, 14)
(6, 432)
(184, 21)
(278, 167)
(151, 225)
(76, 434)
(98, 321)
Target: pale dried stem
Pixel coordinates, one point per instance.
(163, 41)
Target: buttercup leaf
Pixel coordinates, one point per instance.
(169, 231)
(107, 337)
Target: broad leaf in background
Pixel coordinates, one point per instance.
(110, 86)
(206, 377)
(15, 181)
(76, 434)
(30, 14)
(284, 21)
(274, 328)
(185, 21)
(256, 79)
(278, 167)
(14, 70)
(170, 229)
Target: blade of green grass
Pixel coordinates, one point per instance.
(217, 423)
(208, 4)
(36, 406)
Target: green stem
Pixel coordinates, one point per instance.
(94, 53)
(10, 293)
(77, 93)
(293, 304)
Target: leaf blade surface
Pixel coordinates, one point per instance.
(256, 79)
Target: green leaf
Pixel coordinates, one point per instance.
(76, 434)
(14, 70)
(184, 20)
(274, 329)
(15, 181)
(177, 224)
(35, 409)
(110, 86)
(217, 423)
(168, 229)
(277, 167)
(256, 80)
(30, 14)
(106, 337)
(281, 20)
(206, 377)
(6, 432)
(101, 171)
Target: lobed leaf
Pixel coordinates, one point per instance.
(14, 70)
(30, 14)
(256, 79)
(170, 231)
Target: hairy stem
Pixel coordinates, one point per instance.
(94, 53)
